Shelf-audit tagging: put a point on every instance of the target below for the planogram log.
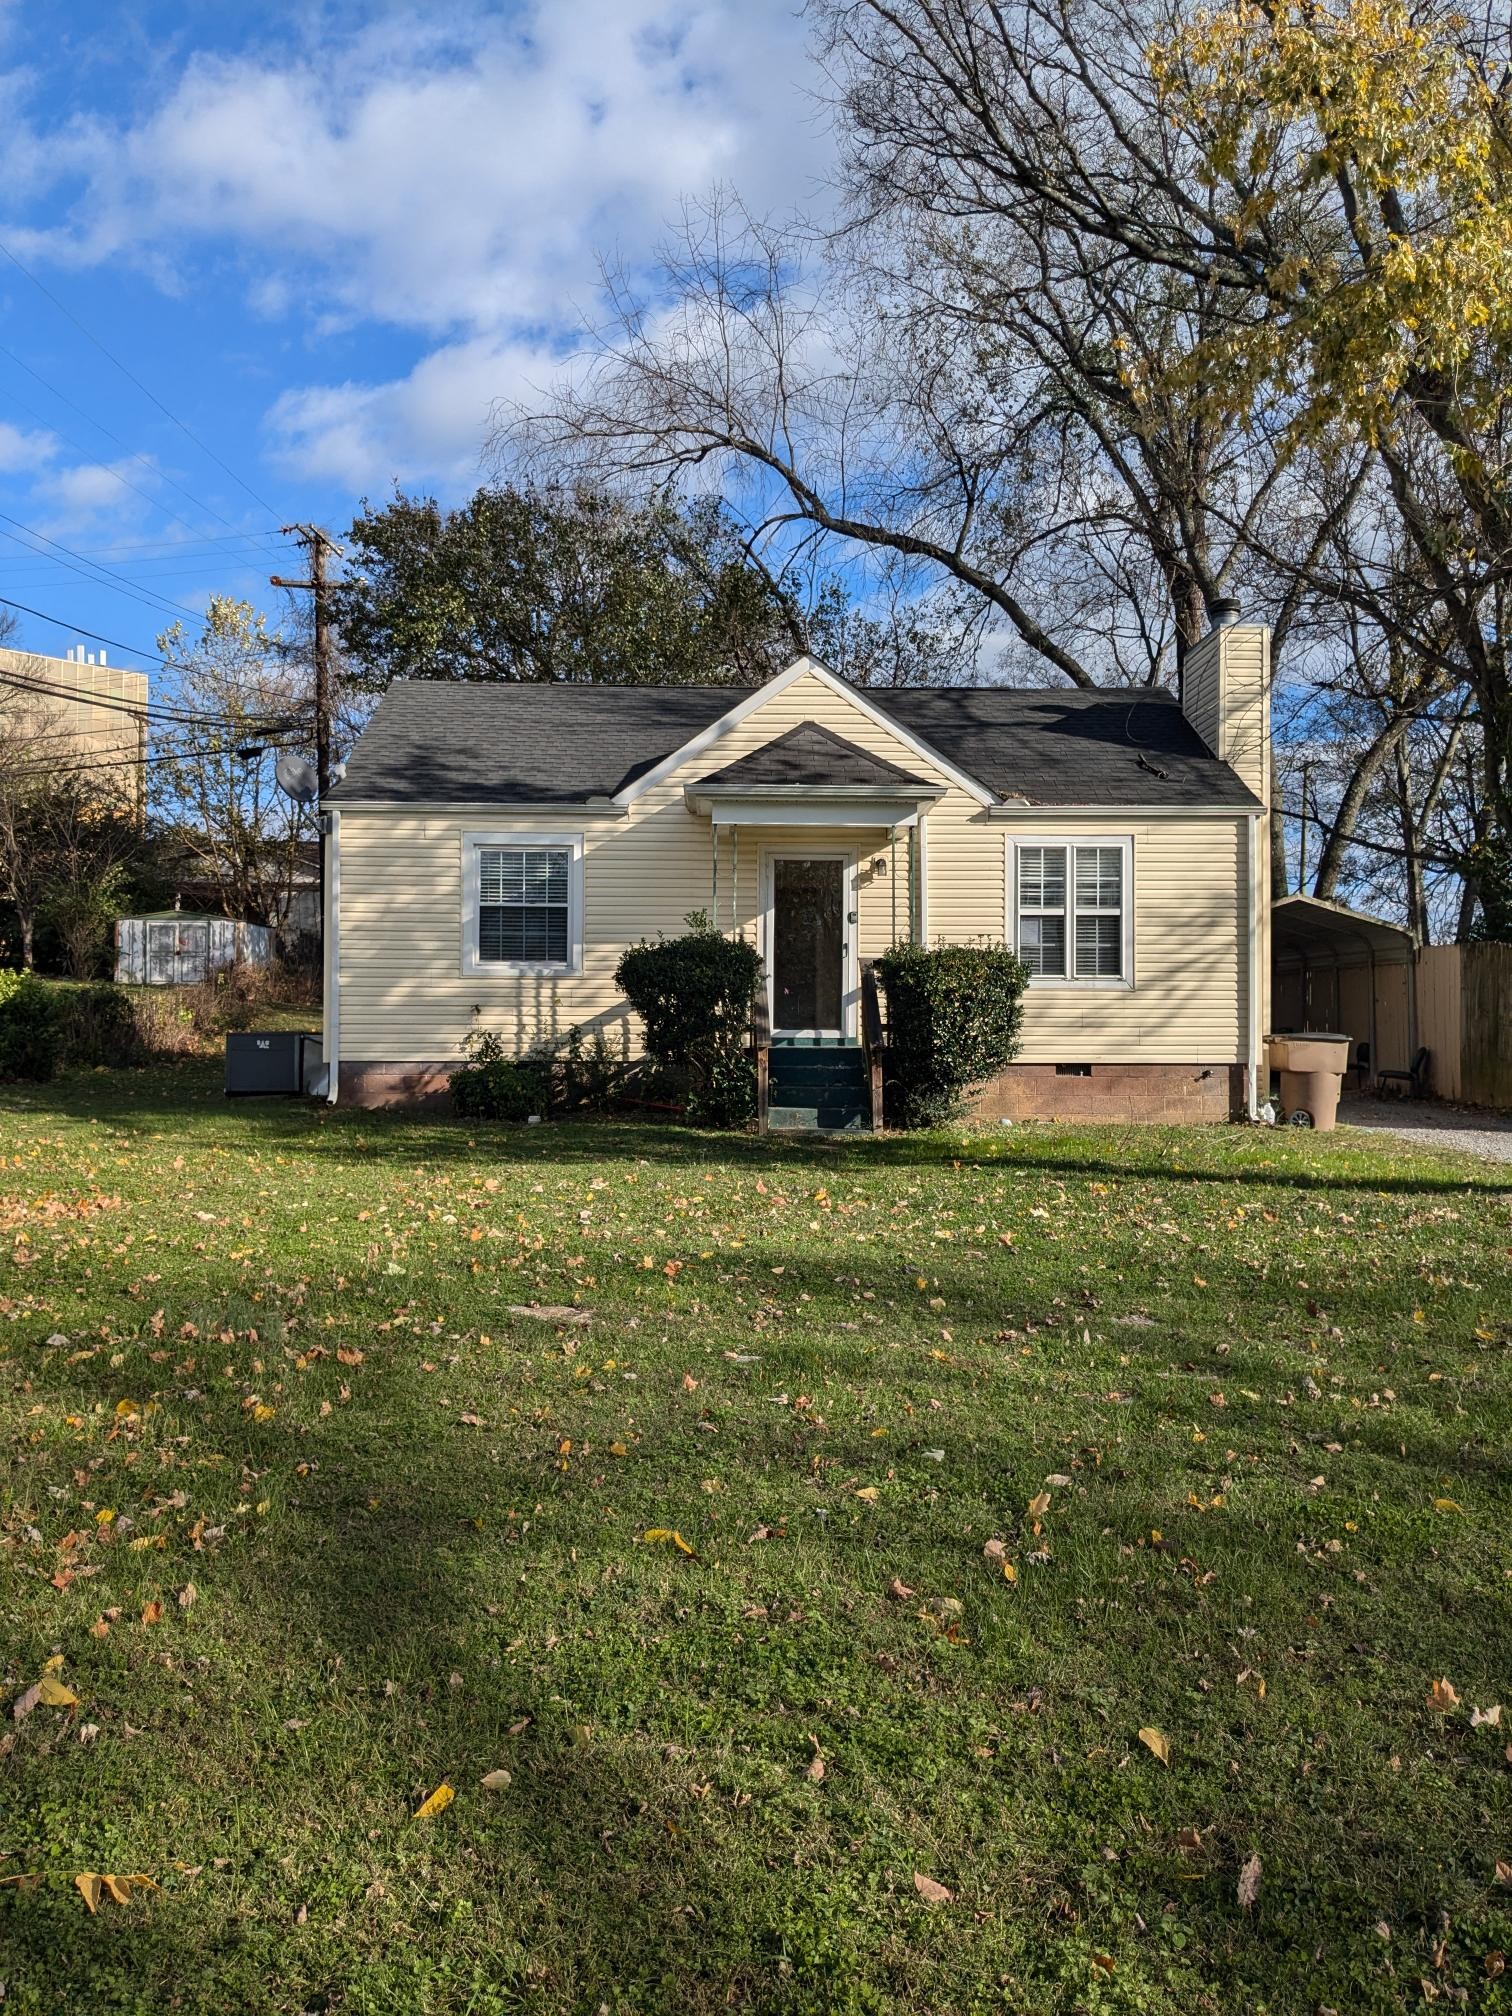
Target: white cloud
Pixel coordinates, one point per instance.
(458, 183)
(24, 449)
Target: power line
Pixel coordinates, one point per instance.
(91, 570)
(93, 635)
(121, 761)
(146, 390)
(134, 454)
(141, 710)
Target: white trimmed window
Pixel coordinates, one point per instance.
(522, 903)
(1071, 910)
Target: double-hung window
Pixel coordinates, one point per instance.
(1071, 906)
(522, 903)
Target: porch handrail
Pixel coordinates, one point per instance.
(761, 1051)
(873, 1041)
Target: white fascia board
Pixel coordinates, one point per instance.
(1039, 814)
(754, 702)
(487, 808)
(868, 816)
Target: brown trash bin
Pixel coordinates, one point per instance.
(1312, 1066)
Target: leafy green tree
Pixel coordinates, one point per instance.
(526, 584)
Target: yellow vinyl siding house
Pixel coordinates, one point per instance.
(495, 848)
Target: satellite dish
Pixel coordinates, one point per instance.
(296, 777)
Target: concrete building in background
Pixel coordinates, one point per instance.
(80, 711)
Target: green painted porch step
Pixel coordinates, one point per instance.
(818, 1087)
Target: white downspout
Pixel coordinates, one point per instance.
(332, 976)
(1255, 1037)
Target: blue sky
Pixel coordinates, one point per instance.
(325, 239)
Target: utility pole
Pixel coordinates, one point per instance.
(317, 544)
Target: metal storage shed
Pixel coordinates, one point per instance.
(177, 948)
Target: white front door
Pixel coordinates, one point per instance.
(810, 943)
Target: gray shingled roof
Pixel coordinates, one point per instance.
(439, 742)
(811, 754)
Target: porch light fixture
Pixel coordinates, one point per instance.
(879, 865)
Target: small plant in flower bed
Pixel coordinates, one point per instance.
(953, 1014)
(493, 1086)
(693, 995)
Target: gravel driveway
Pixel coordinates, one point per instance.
(1431, 1125)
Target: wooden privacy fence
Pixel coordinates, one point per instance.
(1465, 1021)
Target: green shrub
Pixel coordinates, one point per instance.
(953, 1015)
(100, 1025)
(586, 1080)
(693, 995)
(31, 1034)
(491, 1086)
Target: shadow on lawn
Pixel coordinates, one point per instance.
(394, 1560)
(161, 1098)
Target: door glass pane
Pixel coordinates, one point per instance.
(808, 940)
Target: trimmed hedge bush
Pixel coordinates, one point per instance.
(693, 995)
(31, 1029)
(953, 1015)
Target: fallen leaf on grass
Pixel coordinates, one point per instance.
(1057, 1480)
(932, 1892)
(899, 1591)
(53, 1694)
(1188, 1837)
(995, 1550)
(1158, 1744)
(92, 1887)
(152, 1613)
(1039, 1505)
(1249, 1884)
(1010, 1573)
(24, 1703)
(438, 1802)
(188, 1596)
(551, 1312)
(666, 1536)
(815, 1771)
(870, 1493)
(1486, 1718)
(1442, 1697)
(1103, 1960)
(496, 1781)
(519, 1728)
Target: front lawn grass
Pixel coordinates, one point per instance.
(1235, 1404)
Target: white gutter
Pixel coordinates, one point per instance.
(332, 977)
(1255, 1037)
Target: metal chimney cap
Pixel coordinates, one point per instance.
(1223, 613)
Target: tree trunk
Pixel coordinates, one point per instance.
(25, 920)
(1364, 774)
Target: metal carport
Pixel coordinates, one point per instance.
(1335, 968)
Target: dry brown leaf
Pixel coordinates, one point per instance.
(1442, 1697)
(24, 1703)
(815, 1771)
(519, 1728)
(152, 1613)
(1058, 1480)
(1188, 1837)
(1153, 1741)
(89, 1886)
(1504, 1874)
(899, 1591)
(551, 1312)
(188, 1596)
(1103, 1960)
(995, 1550)
(932, 1892)
(496, 1781)
(1486, 1718)
(1039, 1505)
(438, 1802)
(1249, 1884)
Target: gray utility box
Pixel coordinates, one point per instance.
(271, 1060)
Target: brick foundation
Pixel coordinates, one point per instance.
(1170, 1092)
(363, 1082)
